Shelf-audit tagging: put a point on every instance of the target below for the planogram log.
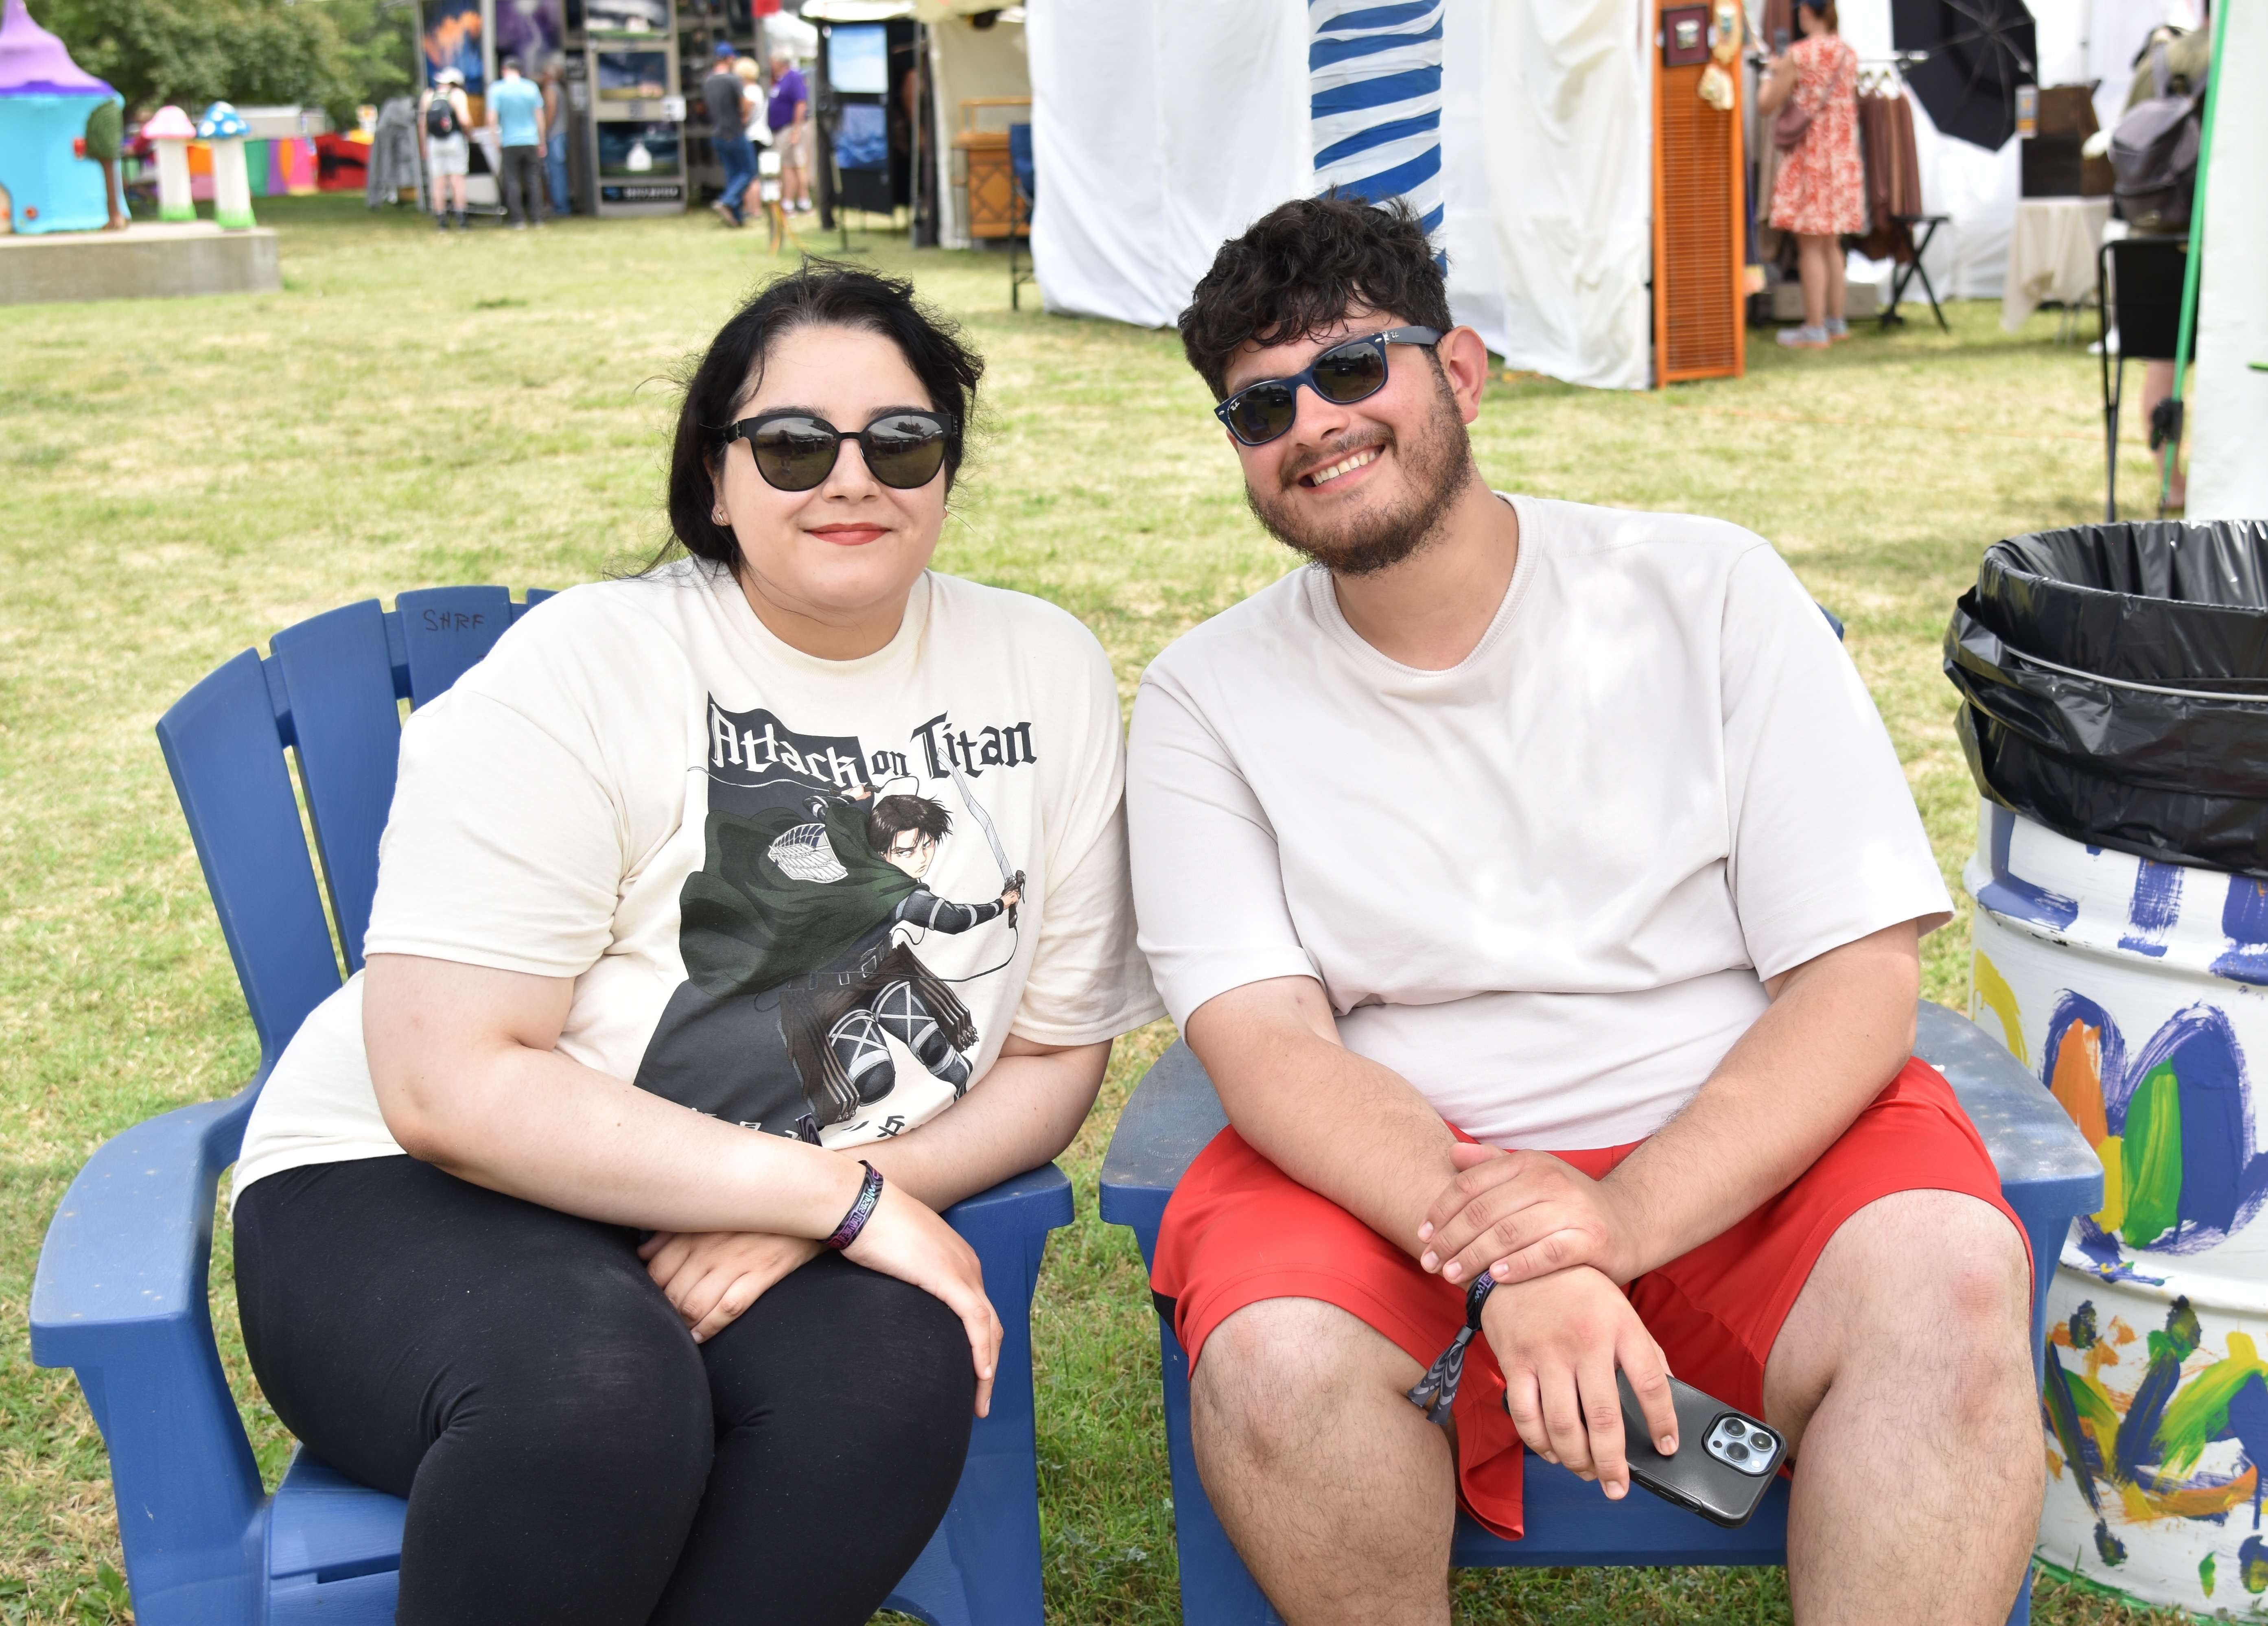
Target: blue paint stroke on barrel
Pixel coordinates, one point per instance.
(2015, 897)
(2245, 918)
(2221, 1181)
(2156, 906)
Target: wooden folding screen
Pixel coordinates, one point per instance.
(1699, 226)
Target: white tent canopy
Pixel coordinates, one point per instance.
(2228, 476)
(1149, 158)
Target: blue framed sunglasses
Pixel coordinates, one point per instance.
(1342, 375)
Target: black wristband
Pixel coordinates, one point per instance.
(1437, 1390)
(870, 1193)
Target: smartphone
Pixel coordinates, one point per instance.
(1724, 1461)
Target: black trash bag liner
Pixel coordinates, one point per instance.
(2116, 686)
(2157, 601)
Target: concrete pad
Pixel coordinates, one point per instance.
(141, 262)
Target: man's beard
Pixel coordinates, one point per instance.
(1437, 466)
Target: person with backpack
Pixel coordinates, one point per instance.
(2154, 159)
(445, 119)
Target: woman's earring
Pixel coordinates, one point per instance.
(718, 515)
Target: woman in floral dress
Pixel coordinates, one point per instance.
(1821, 190)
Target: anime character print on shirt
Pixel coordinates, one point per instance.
(803, 988)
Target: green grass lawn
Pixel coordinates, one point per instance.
(179, 479)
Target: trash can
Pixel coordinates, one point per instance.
(2115, 682)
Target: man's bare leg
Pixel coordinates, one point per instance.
(1338, 1494)
(1903, 1378)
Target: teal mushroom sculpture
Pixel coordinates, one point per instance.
(224, 128)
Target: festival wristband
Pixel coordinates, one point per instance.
(870, 1193)
(1437, 1390)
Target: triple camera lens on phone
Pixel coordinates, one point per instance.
(1743, 1445)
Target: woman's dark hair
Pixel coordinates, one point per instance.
(1301, 268)
(818, 294)
(1826, 10)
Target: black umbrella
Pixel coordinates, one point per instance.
(1967, 58)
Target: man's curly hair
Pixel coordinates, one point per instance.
(1301, 268)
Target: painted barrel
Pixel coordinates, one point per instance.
(2136, 990)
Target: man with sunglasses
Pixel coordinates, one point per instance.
(1542, 891)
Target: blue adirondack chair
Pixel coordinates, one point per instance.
(2047, 1173)
(120, 1295)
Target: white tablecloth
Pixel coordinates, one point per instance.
(2051, 253)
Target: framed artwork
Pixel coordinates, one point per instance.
(1684, 35)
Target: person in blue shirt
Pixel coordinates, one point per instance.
(515, 113)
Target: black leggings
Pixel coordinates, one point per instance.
(569, 1454)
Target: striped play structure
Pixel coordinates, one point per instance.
(1374, 77)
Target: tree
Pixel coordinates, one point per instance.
(333, 54)
(378, 52)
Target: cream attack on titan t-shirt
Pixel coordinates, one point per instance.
(805, 896)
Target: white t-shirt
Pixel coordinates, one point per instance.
(1543, 885)
(641, 788)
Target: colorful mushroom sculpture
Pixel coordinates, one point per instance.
(224, 128)
(170, 133)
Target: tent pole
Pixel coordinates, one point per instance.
(2194, 270)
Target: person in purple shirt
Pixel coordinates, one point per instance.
(789, 116)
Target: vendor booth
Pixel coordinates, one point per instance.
(865, 93)
(625, 106)
(914, 101)
(1546, 146)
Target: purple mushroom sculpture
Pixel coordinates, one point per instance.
(51, 167)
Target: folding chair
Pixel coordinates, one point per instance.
(2047, 1173)
(1019, 207)
(121, 1293)
(2138, 282)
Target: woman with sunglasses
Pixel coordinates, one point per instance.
(793, 833)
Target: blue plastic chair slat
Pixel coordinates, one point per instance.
(221, 743)
(338, 679)
(445, 630)
(2048, 1173)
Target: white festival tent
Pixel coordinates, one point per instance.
(2228, 388)
(1161, 127)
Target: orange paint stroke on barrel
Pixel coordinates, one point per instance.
(2078, 1081)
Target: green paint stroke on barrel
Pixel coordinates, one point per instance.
(2204, 1574)
(2154, 1158)
(2199, 1414)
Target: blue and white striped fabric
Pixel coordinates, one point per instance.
(1375, 72)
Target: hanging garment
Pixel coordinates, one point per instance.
(1886, 139)
(392, 153)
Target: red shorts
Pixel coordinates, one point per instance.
(1238, 1231)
